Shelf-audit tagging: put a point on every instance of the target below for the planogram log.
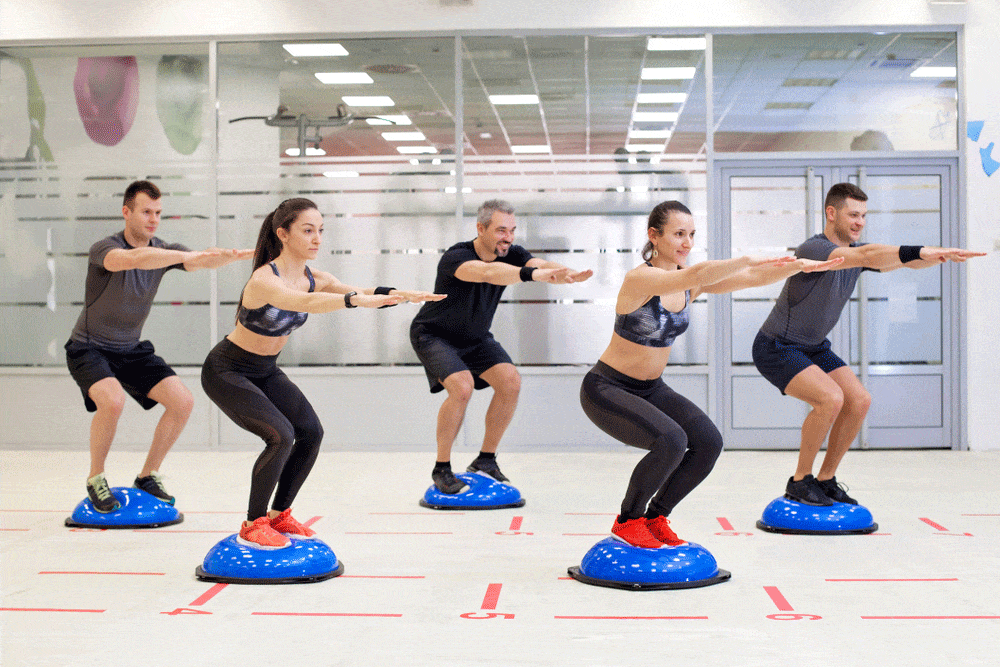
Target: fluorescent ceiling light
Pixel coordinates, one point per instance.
(667, 73)
(416, 150)
(384, 119)
(294, 152)
(935, 72)
(514, 99)
(649, 148)
(536, 148)
(315, 50)
(341, 174)
(370, 101)
(344, 77)
(404, 136)
(661, 98)
(655, 116)
(649, 134)
(676, 44)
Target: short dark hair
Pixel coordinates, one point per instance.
(145, 187)
(657, 218)
(841, 192)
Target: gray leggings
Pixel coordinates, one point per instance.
(682, 441)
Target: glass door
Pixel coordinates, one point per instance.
(897, 331)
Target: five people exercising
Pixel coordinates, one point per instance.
(623, 394)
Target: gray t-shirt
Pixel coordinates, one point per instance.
(810, 303)
(116, 303)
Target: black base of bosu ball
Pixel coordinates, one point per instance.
(304, 561)
(784, 515)
(613, 563)
(484, 493)
(138, 510)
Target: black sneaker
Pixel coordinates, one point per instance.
(446, 482)
(489, 467)
(153, 485)
(807, 490)
(100, 495)
(836, 491)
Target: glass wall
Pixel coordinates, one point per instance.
(584, 134)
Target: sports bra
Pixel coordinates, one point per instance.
(269, 320)
(653, 325)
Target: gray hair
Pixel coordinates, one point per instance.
(490, 207)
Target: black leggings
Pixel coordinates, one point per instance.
(260, 398)
(683, 442)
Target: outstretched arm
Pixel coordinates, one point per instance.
(500, 273)
(765, 274)
(326, 282)
(265, 287)
(214, 258)
(891, 257)
(644, 280)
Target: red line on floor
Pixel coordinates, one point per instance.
(430, 513)
(87, 611)
(942, 579)
(492, 596)
(312, 521)
(724, 522)
(635, 618)
(317, 613)
(382, 576)
(515, 523)
(389, 532)
(147, 531)
(153, 574)
(778, 599)
(933, 525)
(208, 595)
(928, 618)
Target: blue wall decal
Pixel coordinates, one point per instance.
(975, 128)
(989, 164)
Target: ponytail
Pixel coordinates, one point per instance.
(268, 244)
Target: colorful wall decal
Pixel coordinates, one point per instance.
(181, 90)
(107, 95)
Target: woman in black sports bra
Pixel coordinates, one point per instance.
(242, 377)
(624, 394)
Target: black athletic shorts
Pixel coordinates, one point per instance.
(138, 370)
(779, 361)
(441, 358)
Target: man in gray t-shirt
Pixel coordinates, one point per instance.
(792, 349)
(104, 354)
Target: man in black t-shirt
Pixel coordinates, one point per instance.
(104, 354)
(453, 341)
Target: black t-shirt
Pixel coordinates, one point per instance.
(466, 315)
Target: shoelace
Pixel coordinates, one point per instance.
(102, 491)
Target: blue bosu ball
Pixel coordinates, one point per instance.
(616, 564)
(138, 510)
(784, 515)
(305, 560)
(484, 493)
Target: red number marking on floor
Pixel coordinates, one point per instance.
(492, 596)
(778, 599)
(724, 522)
(208, 595)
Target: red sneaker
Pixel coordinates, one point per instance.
(285, 523)
(660, 528)
(260, 535)
(635, 532)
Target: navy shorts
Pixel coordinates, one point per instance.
(780, 361)
(441, 358)
(138, 370)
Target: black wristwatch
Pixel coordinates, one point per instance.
(347, 299)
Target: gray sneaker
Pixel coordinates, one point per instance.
(447, 483)
(100, 495)
(488, 467)
(153, 485)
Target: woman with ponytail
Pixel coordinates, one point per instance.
(242, 377)
(624, 394)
